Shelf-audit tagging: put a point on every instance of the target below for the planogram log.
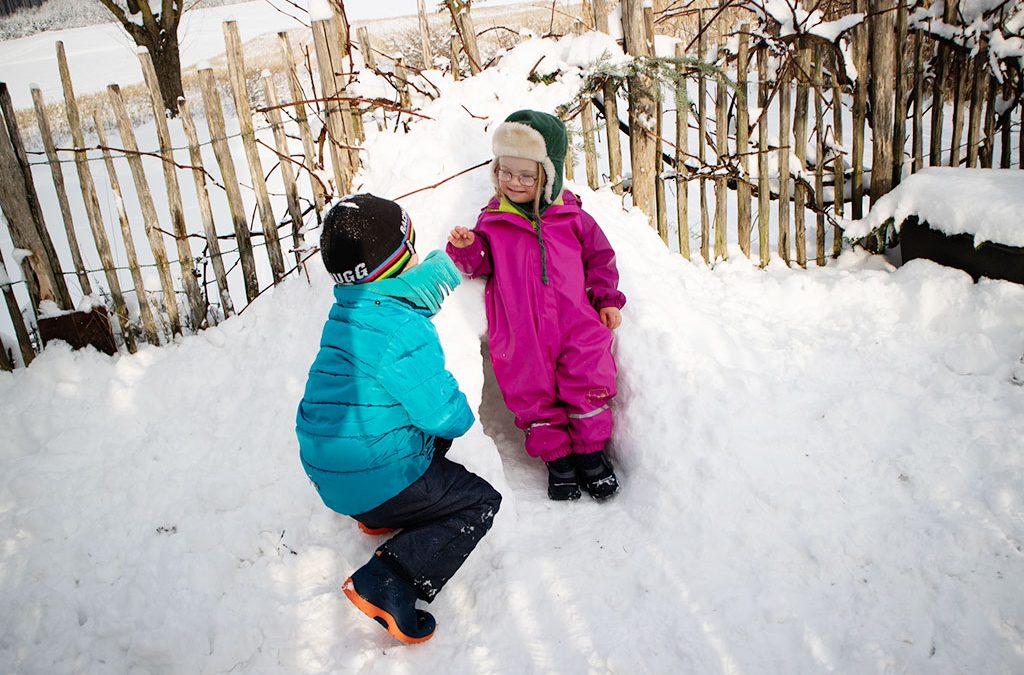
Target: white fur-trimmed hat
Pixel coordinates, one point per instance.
(535, 135)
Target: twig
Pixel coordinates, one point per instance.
(442, 182)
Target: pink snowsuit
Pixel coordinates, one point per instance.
(551, 353)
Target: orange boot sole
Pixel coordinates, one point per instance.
(374, 531)
(379, 615)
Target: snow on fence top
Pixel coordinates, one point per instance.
(985, 203)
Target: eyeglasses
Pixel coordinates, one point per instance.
(525, 179)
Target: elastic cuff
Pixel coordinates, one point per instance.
(617, 303)
(466, 256)
(587, 448)
(557, 453)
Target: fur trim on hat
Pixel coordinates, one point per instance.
(513, 139)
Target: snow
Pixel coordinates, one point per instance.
(320, 10)
(793, 19)
(985, 203)
(822, 470)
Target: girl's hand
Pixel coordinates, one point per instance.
(610, 317)
(461, 237)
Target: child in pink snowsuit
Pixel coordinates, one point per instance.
(552, 302)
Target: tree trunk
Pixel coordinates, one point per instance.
(158, 33)
(163, 49)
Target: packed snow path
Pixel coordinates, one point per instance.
(822, 471)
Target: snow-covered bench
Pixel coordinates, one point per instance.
(972, 219)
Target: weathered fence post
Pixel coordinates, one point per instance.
(800, 149)
(299, 108)
(5, 359)
(611, 108)
(988, 146)
(203, 196)
(236, 71)
(46, 265)
(285, 162)
(611, 118)
(402, 75)
(743, 141)
(365, 46)
(883, 78)
(14, 202)
(145, 197)
(221, 150)
(702, 130)
(589, 143)
(453, 49)
(977, 82)
(642, 110)
(570, 153)
(785, 151)
(428, 53)
(722, 150)
(935, 155)
(92, 205)
(839, 168)
(959, 83)
(660, 215)
(763, 188)
(899, 126)
(819, 161)
(587, 127)
(1004, 135)
(330, 64)
(186, 261)
(918, 142)
(682, 150)
(62, 195)
(467, 33)
(600, 15)
(860, 105)
(145, 313)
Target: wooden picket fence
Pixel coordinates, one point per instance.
(815, 106)
(41, 268)
(808, 93)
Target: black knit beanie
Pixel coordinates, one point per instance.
(366, 238)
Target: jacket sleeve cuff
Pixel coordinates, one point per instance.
(469, 258)
(614, 299)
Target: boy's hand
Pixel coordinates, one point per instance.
(611, 317)
(461, 237)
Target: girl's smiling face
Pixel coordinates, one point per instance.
(512, 173)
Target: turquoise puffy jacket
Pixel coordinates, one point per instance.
(378, 392)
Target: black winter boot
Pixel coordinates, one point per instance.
(562, 483)
(381, 594)
(596, 475)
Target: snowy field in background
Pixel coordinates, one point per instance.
(822, 471)
(99, 55)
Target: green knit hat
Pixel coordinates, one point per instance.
(535, 135)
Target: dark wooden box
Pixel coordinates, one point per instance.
(80, 329)
(996, 261)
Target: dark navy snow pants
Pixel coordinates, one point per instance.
(442, 516)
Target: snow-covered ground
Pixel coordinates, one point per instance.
(822, 472)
